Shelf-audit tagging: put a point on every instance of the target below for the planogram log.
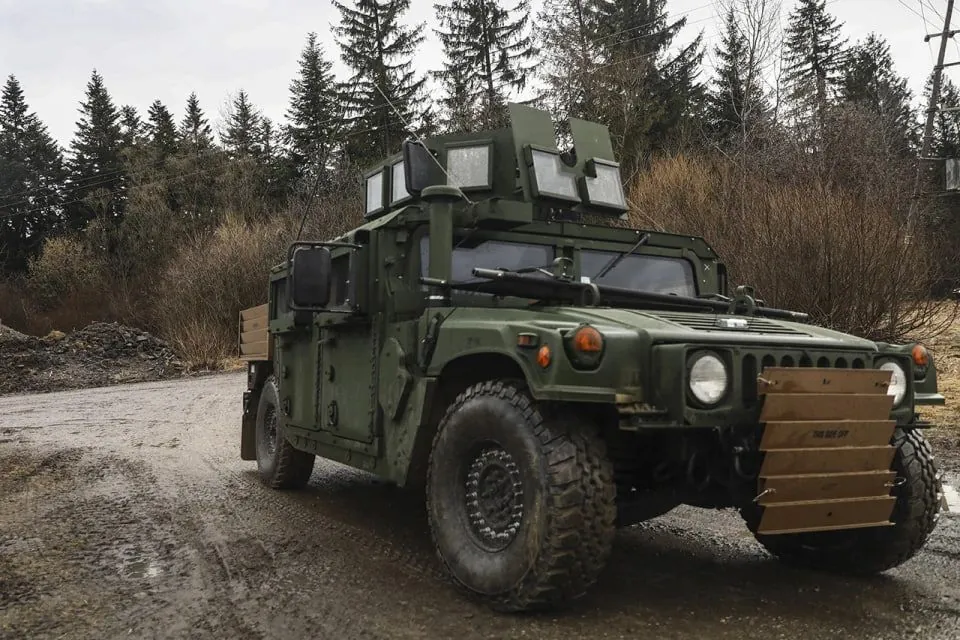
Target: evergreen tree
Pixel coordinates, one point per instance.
(162, 130)
(195, 134)
(381, 94)
(96, 167)
(486, 46)
(243, 135)
(870, 81)
(31, 178)
(946, 124)
(132, 128)
(314, 114)
(646, 95)
(814, 59)
(569, 45)
(736, 104)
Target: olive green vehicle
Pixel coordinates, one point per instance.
(495, 337)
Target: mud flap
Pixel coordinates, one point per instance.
(826, 449)
(248, 426)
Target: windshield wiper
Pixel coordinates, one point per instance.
(616, 260)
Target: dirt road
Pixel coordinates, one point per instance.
(126, 512)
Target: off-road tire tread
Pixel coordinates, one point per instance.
(581, 514)
(918, 513)
(294, 467)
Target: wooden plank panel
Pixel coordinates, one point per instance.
(821, 516)
(254, 312)
(257, 324)
(826, 486)
(826, 434)
(258, 335)
(251, 348)
(785, 407)
(812, 380)
(792, 462)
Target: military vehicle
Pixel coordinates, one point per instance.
(494, 336)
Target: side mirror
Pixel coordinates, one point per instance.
(309, 279)
(420, 168)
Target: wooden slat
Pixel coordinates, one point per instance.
(782, 407)
(810, 380)
(825, 486)
(826, 434)
(254, 312)
(788, 462)
(796, 517)
(260, 335)
(257, 324)
(254, 348)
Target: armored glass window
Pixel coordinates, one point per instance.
(490, 254)
(549, 177)
(606, 190)
(397, 184)
(375, 192)
(653, 274)
(469, 167)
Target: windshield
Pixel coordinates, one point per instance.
(654, 274)
(490, 254)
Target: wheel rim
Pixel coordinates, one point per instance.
(494, 498)
(270, 421)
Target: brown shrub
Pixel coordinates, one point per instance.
(842, 257)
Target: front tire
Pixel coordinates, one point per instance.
(520, 499)
(872, 551)
(281, 466)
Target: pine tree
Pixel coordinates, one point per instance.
(162, 130)
(31, 179)
(381, 94)
(96, 168)
(243, 127)
(645, 95)
(131, 127)
(314, 114)
(486, 46)
(870, 81)
(736, 104)
(195, 133)
(814, 58)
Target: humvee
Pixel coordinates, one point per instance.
(494, 336)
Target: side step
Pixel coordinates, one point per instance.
(826, 447)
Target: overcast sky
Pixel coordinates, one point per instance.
(148, 49)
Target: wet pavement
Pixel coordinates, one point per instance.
(127, 512)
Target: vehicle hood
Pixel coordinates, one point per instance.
(673, 326)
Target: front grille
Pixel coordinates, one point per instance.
(707, 322)
(752, 364)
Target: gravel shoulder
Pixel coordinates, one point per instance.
(126, 511)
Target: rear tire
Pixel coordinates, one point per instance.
(872, 551)
(281, 466)
(520, 499)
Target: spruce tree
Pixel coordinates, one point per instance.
(31, 181)
(569, 46)
(814, 59)
(736, 103)
(132, 128)
(314, 114)
(96, 167)
(242, 136)
(162, 130)
(382, 93)
(647, 95)
(195, 133)
(487, 46)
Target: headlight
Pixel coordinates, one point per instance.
(898, 382)
(708, 378)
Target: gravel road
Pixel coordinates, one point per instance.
(126, 512)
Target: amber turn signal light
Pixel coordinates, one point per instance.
(543, 356)
(920, 355)
(588, 340)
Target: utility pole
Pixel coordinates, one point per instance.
(932, 107)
